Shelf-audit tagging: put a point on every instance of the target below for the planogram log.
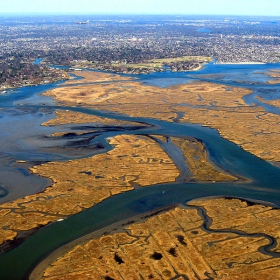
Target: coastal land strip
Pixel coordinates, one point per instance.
(174, 64)
(275, 74)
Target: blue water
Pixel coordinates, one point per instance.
(38, 61)
(231, 74)
(204, 30)
(249, 76)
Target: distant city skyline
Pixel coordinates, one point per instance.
(180, 7)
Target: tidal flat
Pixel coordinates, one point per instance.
(126, 136)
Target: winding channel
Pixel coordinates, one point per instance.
(262, 184)
(265, 249)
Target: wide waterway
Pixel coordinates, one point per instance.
(22, 138)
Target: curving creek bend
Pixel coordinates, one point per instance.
(22, 138)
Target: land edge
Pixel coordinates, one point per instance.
(242, 63)
(111, 71)
(8, 89)
(37, 271)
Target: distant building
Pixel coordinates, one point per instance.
(83, 22)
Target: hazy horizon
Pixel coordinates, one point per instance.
(127, 14)
(144, 7)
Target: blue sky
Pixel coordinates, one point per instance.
(193, 7)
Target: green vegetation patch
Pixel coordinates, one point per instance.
(160, 62)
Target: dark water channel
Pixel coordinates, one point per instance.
(22, 138)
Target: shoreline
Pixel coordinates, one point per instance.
(117, 227)
(143, 72)
(242, 63)
(7, 89)
(38, 270)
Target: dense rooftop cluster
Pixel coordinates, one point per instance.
(121, 40)
(17, 72)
